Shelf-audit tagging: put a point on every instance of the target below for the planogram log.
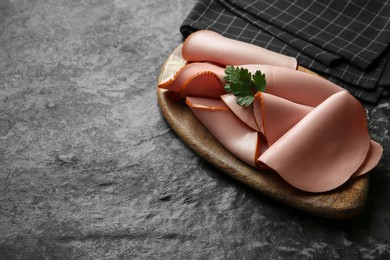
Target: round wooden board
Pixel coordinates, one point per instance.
(344, 202)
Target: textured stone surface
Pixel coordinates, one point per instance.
(90, 169)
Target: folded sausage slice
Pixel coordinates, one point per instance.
(296, 86)
(372, 159)
(232, 133)
(325, 148)
(275, 115)
(197, 79)
(245, 114)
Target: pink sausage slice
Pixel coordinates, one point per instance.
(207, 45)
(275, 115)
(244, 113)
(325, 148)
(373, 156)
(197, 79)
(296, 86)
(233, 134)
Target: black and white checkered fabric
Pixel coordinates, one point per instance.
(345, 41)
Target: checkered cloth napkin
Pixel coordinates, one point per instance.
(347, 42)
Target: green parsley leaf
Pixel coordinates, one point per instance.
(259, 80)
(241, 83)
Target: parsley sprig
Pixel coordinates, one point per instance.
(241, 83)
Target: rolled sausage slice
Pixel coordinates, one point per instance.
(205, 45)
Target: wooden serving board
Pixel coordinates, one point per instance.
(344, 202)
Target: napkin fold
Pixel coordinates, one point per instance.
(347, 42)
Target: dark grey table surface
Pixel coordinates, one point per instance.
(89, 169)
